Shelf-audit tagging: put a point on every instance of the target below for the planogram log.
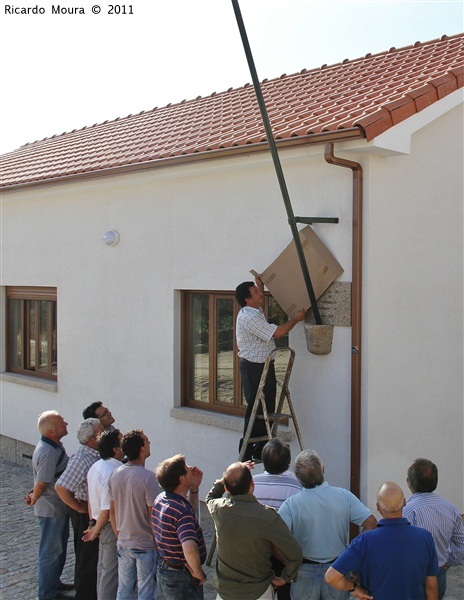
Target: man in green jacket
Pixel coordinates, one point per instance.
(248, 534)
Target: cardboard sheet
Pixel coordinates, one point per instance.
(284, 277)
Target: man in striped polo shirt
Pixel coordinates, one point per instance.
(255, 340)
(432, 512)
(178, 535)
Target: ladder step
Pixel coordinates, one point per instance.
(275, 416)
(263, 438)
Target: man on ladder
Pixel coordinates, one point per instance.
(255, 340)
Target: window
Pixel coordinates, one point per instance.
(31, 331)
(210, 365)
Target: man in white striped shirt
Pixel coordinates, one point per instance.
(435, 514)
(273, 487)
(255, 340)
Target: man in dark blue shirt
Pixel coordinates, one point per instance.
(396, 560)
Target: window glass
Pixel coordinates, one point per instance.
(16, 347)
(199, 344)
(31, 331)
(225, 350)
(211, 377)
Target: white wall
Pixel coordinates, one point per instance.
(413, 320)
(203, 226)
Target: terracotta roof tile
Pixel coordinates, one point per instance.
(370, 94)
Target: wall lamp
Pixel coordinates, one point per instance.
(111, 238)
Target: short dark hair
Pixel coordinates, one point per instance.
(170, 471)
(132, 443)
(423, 476)
(276, 456)
(108, 440)
(90, 411)
(242, 292)
(240, 483)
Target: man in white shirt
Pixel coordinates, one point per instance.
(255, 340)
(109, 447)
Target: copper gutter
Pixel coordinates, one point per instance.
(340, 135)
(356, 313)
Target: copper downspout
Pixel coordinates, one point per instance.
(356, 298)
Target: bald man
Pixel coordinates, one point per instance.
(396, 560)
(248, 534)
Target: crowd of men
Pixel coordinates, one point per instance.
(279, 533)
(137, 533)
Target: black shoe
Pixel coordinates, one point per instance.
(65, 586)
(258, 450)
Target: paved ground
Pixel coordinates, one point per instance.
(19, 539)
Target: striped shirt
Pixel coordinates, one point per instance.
(74, 478)
(435, 514)
(174, 522)
(254, 335)
(272, 490)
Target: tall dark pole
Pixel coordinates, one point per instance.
(277, 164)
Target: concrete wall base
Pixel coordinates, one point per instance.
(16, 451)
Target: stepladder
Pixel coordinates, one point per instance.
(283, 359)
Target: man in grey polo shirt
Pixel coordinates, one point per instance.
(255, 340)
(48, 462)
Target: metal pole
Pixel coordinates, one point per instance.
(277, 164)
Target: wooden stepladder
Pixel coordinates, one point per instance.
(272, 420)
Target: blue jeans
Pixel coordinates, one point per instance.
(54, 533)
(177, 584)
(136, 567)
(310, 584)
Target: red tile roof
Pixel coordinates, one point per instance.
(356, 98)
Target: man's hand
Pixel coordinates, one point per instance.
(197, 476)
(361, 593)
(278, 582)
(249, 464)
(300, 315)
(89, 535)
(29, 499)
(199, 575)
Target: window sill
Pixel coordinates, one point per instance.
(34, 382)
(218, 420)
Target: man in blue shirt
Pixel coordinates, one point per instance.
(396, 560)
(319, 517)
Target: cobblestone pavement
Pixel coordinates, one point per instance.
(19, 541)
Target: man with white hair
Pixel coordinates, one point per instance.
(319, 517)
(72, 488)
(48, 463)
(395, 560)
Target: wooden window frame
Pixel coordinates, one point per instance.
(26, 295)
(239, 406)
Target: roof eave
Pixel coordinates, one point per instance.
(340, 135)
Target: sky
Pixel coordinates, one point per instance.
(61, 71)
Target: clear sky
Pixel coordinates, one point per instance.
(61, 72)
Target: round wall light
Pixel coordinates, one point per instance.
(111, 238)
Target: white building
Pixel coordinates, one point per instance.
(192, 192)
